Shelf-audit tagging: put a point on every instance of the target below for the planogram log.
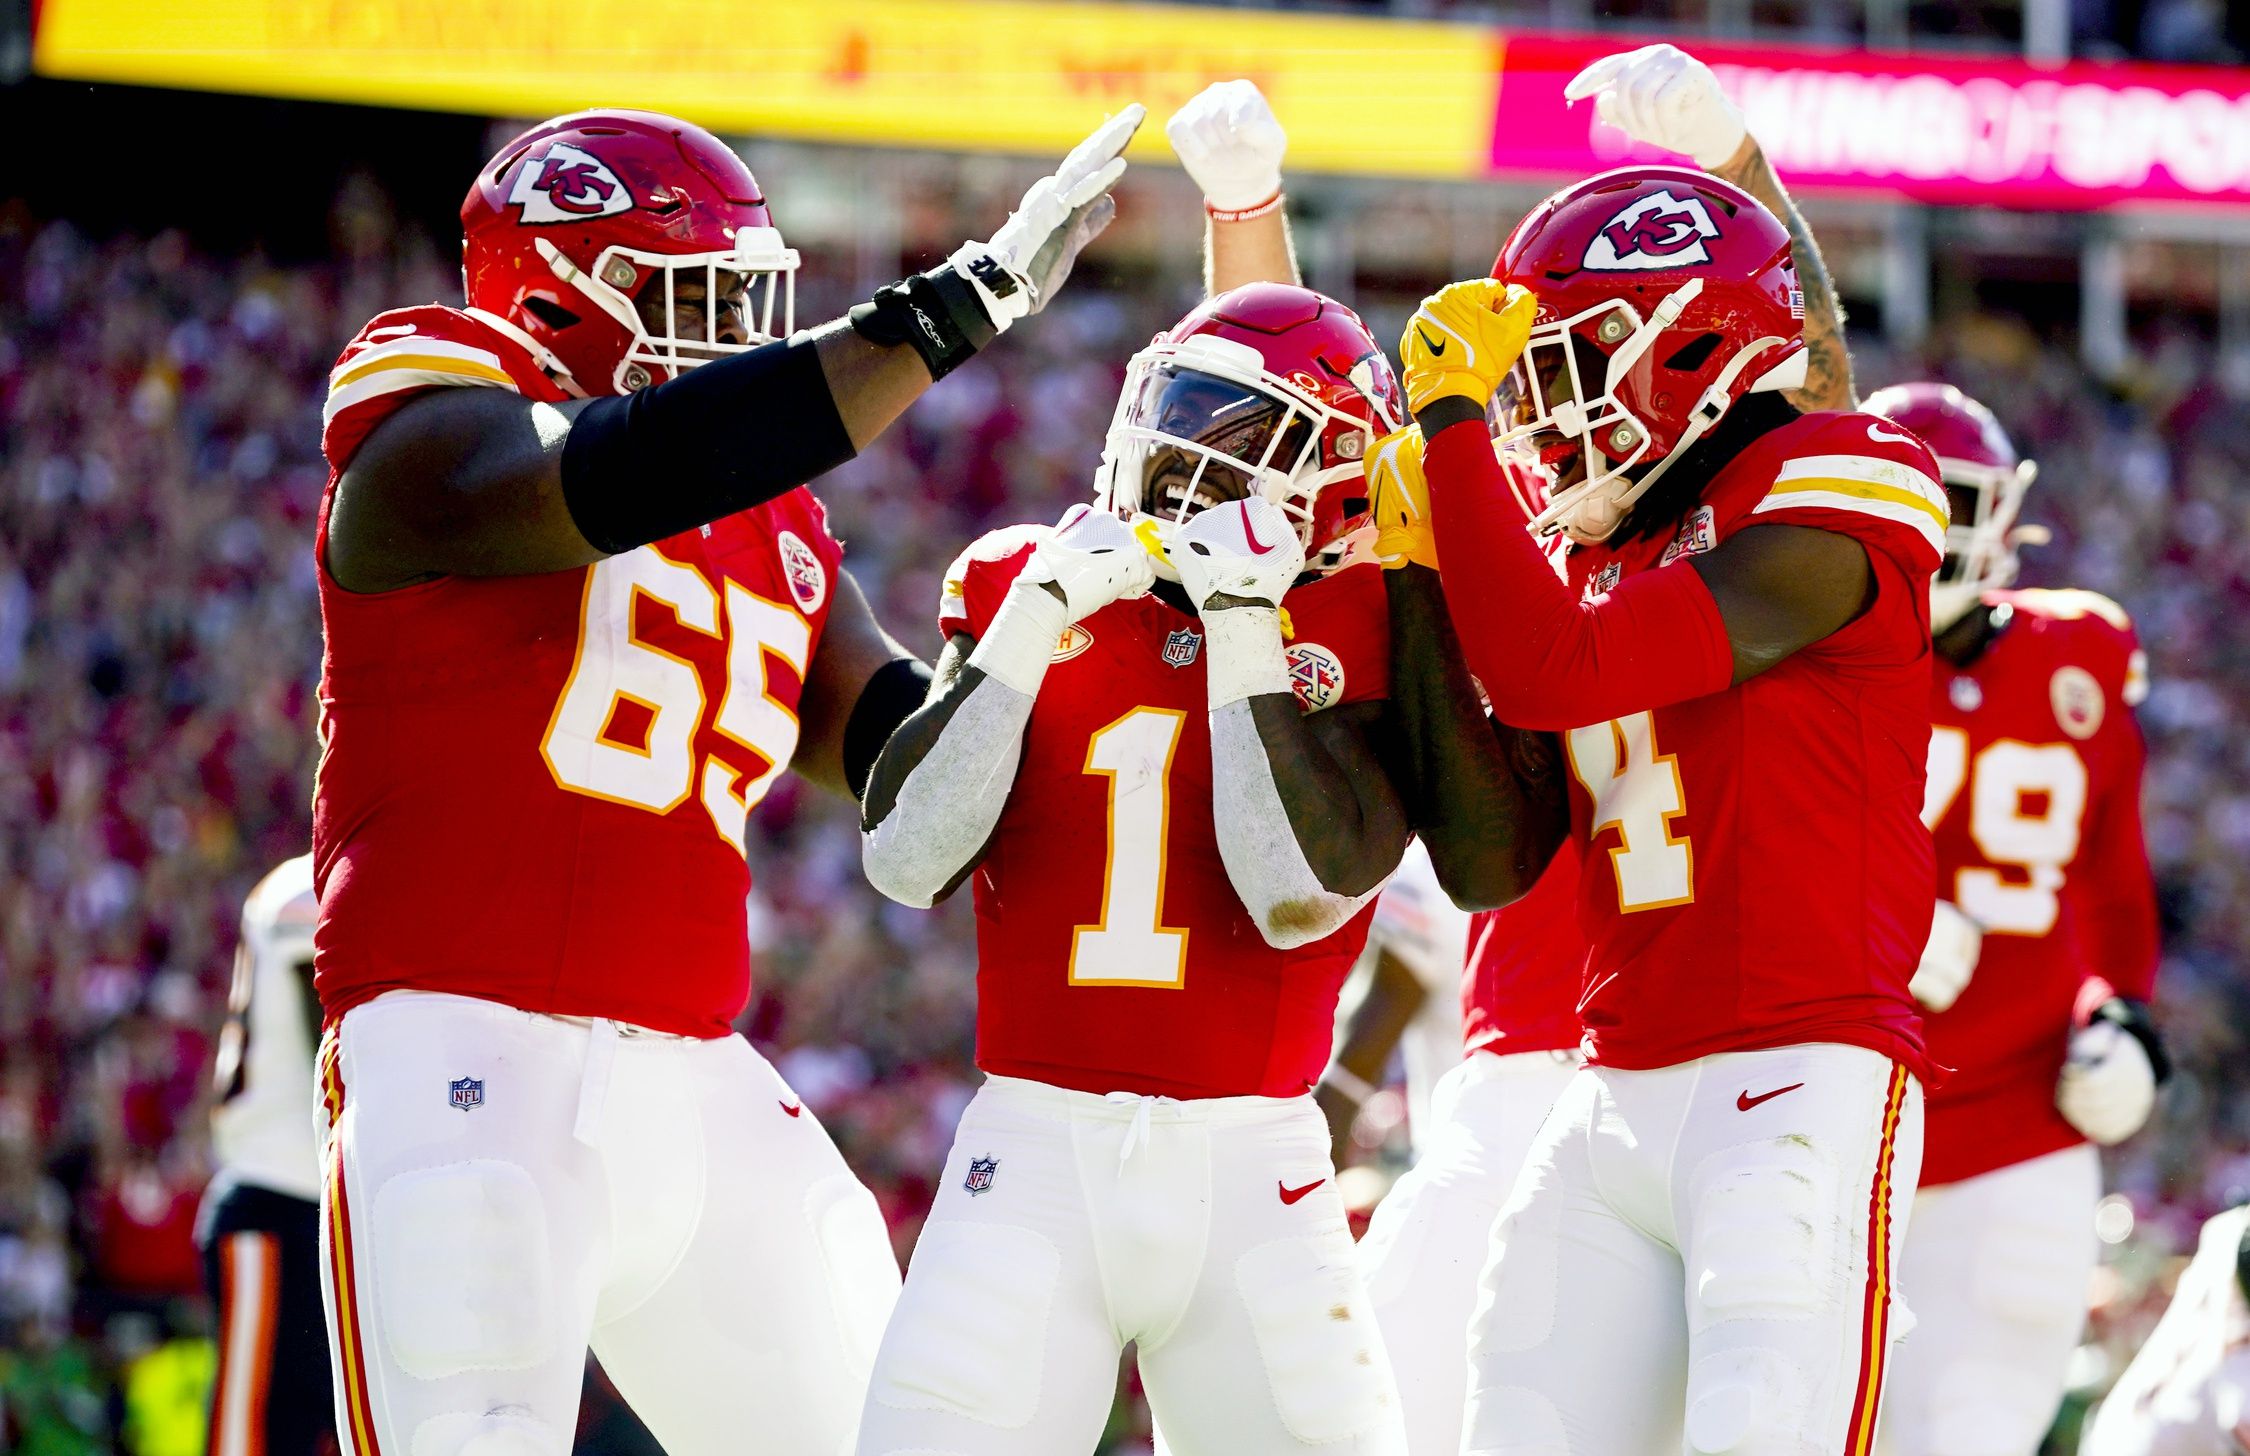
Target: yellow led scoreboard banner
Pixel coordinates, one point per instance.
(1374, 97)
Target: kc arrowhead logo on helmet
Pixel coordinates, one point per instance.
(567, 184)
(1656, 231)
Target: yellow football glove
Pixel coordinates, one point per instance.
(1464, 339)
(1401, 501)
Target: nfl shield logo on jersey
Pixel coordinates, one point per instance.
(980, 1174)
(466, 1092)
(1180, 647)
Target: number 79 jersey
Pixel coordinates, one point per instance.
(2034, 796)
(1757, 873)
(1112, 952)
(533, 789)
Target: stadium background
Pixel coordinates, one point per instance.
(201, 204)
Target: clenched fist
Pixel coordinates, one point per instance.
(1400, 499)
(1092, 559)
(1464, 339)
(1230, 143)
(1666, 98)
(1245, 548)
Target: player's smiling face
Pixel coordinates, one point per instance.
(1231, 422)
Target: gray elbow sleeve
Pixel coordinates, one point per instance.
(1264, 862)
(949, 804)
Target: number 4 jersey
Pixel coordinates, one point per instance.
(2035, 797)
(1757, 873)
(533, 789)
(1112, 952)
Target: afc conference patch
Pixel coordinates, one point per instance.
(465, 1092)
(1180, 647)
(1316, 676)
(980, 1175)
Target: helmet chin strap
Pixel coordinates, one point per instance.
(540, 354)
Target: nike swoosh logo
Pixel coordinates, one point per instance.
(1291, 1195)
(1877, 432)
(797, 1111)
(1427, 342)
(1743, 1101)
(1257, 547)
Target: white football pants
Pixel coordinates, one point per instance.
(1431, 1233)
(1699, 1258)
(504, 1189)
(1207, 1232)
(1996, 1268)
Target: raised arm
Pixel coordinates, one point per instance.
(1231, 144)
(1546, 659)
(1664, 97)
(1309, 824)
(1487, 800)
(939, 784)
(482, 482)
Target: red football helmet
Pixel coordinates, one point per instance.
(1985, 480)
(1269, 389)
(1665, 295)
(582, 231)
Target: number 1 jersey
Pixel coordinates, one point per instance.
(1113, 954)
(1757, 873)
(532, 789)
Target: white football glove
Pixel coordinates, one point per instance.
(1028, 259)
(1093, 558)
(1230, 143)
(1949, 959)
(1665, 97)
(1244, 548)
(2108, 1085)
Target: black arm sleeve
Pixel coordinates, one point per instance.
(896, 690)
(719, 438)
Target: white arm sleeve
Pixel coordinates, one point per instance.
(1265, 864)
(950, 801)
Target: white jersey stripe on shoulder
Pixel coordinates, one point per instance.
(415, 349)
(389, 381)
(1869, 468)
(1919, 517)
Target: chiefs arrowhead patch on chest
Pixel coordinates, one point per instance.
(1074, 640)
(800, 565)
(2077, 701)
(1316, 675)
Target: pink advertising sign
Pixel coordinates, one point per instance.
(1936, 128)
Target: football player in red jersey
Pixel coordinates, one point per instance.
(1155, 998)
(1735, 660)
(580, 613)
(2038, 968)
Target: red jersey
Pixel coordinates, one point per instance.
(1124, 961)
(1519, 989)
(1757, 871)
(2035, 799)
(533, 788)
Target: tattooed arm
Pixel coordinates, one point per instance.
(1828, 364)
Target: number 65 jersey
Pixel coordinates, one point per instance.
(2035, 799)
(1757, 873)
(1112, 952)
(532, 789)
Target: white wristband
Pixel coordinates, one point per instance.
(1016, 648)
(1242, 656)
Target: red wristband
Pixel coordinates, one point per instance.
(1243, 214)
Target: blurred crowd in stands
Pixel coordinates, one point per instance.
(159, 646)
